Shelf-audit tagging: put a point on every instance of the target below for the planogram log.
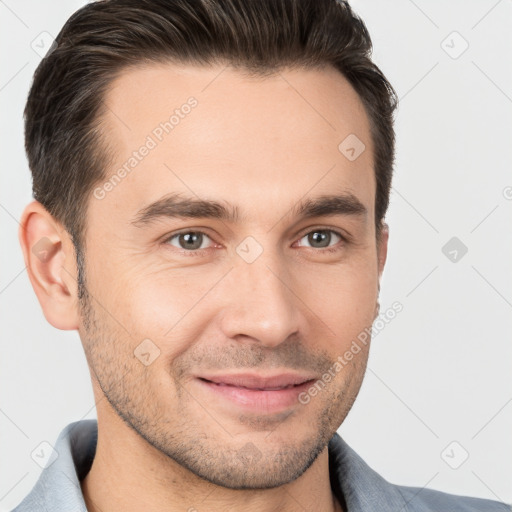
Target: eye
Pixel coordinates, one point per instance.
(322, 238)
(188, 240)
(195, 242)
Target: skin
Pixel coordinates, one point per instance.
(263, 145)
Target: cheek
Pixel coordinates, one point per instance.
(160, 306)
(342, 296)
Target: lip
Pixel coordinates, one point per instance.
(259, 382)
(260, 393)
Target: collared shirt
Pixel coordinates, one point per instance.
(357, 487)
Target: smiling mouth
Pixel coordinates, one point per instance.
(256, 393)
(255, 388)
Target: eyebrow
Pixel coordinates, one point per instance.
(180, 206)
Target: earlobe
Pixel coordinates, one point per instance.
(50, 260)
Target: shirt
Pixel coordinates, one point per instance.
(357, 487)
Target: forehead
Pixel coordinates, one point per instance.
(215, 132)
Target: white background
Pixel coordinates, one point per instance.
(441, 370)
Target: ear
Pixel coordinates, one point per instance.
(382, 253)
(382, 247)
(51, 265)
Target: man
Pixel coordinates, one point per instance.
(187, 158)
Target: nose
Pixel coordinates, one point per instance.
(261, 303)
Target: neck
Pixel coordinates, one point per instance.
(128, 475)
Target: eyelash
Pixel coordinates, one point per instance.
(197, 252)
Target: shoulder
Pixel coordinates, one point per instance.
(428, 500)
(58, 486)
(363, 489)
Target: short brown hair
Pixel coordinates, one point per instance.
(68, 155)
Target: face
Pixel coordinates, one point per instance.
(207, 325)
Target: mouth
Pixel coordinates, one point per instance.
(264, 394)
(259, 382)
(266, 388)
